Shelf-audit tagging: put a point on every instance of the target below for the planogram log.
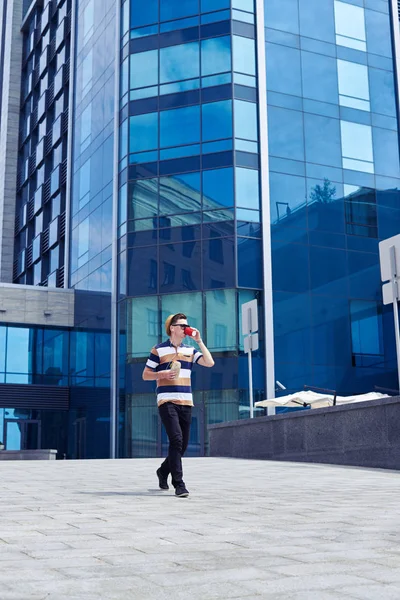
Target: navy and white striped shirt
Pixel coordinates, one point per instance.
(178, 391)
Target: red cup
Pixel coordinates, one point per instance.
(190, 331)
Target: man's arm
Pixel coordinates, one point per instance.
(149, 375)
(206, 360)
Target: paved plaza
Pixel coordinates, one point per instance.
(250, 529)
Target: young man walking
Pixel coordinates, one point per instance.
(170, 365)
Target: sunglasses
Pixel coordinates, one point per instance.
(182, 325)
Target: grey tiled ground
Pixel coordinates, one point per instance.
(102, 530)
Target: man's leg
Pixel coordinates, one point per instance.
(185, 420)
(170, 419)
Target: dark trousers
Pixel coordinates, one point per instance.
(176, 420)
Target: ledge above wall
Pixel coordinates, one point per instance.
(32, 305)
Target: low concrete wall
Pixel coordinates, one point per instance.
(28, 454)
(365, 434)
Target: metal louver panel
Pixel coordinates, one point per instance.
(34, 396)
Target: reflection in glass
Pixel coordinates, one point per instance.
(244, 55)
(215, 55)
(366, 328)
(143, 325)
(350, 26)
(144, 69)
(288, 199)
(286, 138)
(282, 15)
(180, 126)
(143, 199)
(180, 267)
(246, 122)
(283, 69)
(357, 146)
(143, 13)
(353, 85)
(19, 350)
(221, 320)
(179, 62)
(218, 188)
(190, 304)
(217, 120)
(143, 132)
(322, 140)
(319, 77)
(247, 188)
(174, 9)
(180, 194)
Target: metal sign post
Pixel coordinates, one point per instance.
(389, 251)
(249, 329)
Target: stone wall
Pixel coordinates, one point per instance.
(365, 434)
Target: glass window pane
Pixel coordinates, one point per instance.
(144, 69)
(246, 121)
(386, 152)
(143, 199)
(180, 194)
(247, 188)
(286, 138)
(383, 99)
(217, 188)
(216, 120)
(143, 325)
(215, 55)
(353, 79)
(322, 140)
(366, 328)
(249, 263)
(83, 238)
(379, 38)
(317, 19)
(244, 55)
(221, 320)
(3, 333)
(356, 141)
(190, 305)
(180, 266)
(283, 69)
(179, 62)
(143, 132)
(282, 15)
(19, 350)
(349, 20)
(212, 5)
(180, 126)
(143, 13)
(319, 77)
(288, 193)
(142, 271)
(174, 9)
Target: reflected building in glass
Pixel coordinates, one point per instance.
(189, 156)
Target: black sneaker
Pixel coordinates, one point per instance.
(181, 492)
(162, 481)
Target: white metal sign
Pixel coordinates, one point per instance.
(249, 330)
(384, 256)
(251, 343)
(249, 317)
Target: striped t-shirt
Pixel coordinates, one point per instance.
(178, 391)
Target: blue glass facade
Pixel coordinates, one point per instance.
(334, 190)
(189, 214)
(154, 198)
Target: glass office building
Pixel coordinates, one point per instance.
(189, 156)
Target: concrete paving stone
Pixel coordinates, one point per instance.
(374, 592)
(101, 529)
(306, 583)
